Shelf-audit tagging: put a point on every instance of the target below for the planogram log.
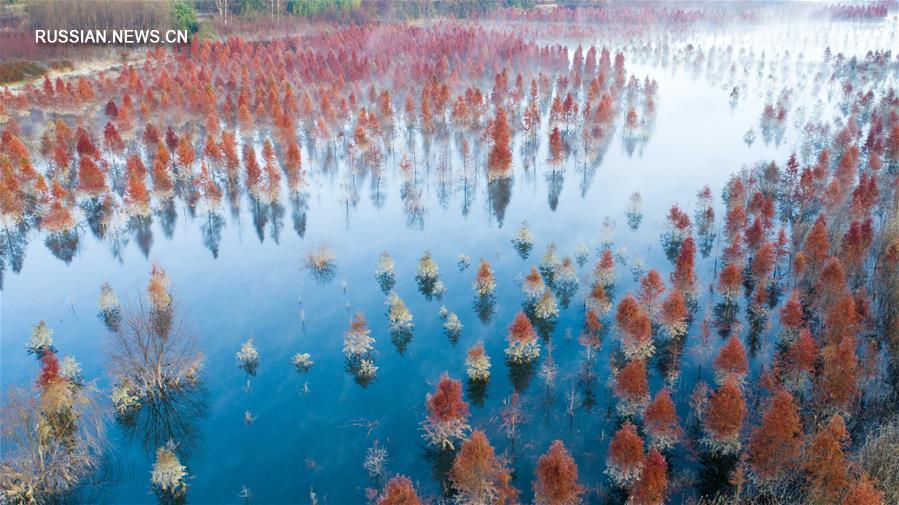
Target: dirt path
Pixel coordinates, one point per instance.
(81, 68)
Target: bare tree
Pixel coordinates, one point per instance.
(222, 6)
(154, 352)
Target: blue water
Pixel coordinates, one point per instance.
(311, 432)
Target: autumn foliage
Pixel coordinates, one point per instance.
(399, 491)
(650, 489)
(636, 329)
(661, 422)
(557, 478)
(479, 476)
(723, 418)
(625, 458)
(776, 444)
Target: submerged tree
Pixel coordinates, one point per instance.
(480, 477)
(723, 419)
(428, 276)
(477, 363)
(385, 272)
(500, 158)
(523, 241)
(153, 354)
(636, 329)
(452, 325)
(731, 363)
(110, 309)
(447, 420)
(358, 348)
(650, 489)
(533, 286)
(53, 437)
(557, 478)
(169, 475)
(484, 282)
(660, 421)
(321, 262)
(632, 388)
(776, 444)
(826, 463)
(248, 357)
(400, 320)
(523, 346)
(399, 491)
(624, 462)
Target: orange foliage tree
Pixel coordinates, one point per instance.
(557, 478)
(723, 419)
(91, 180)
(800, 360)
(650, 489)
(447, 419)
(731, 363)
(863, 492)
(399, 491)
(651, 289)
(825, 462)
(776, 444)
(500, 158)
(838, 381)
(632, 388)
(660, 421)
(479, 476)
(674, 314)
(636, 329)
(625, 458)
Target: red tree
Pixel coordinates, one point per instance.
(632, 387)
(675, 313)
(500, 157)
(660, 421)
(863, 492)
(791, 314)
(729, 281)
(557, 478)
(731, 363)
(800, 358)
(816, 245)
(723, 418)
(446, 403)
(556, 148)
(521, 329)
(838, 382)
(776, 444)
(651, 289)
(399, 491)
(636, 329)
(478, 476)
(625, 458)
(650, 489)
(825, 462)
(90, 177)
(684, 276)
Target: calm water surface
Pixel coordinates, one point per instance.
(312, 431)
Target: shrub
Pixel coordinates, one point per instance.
(20, 70)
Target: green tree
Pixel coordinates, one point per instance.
(184, 17)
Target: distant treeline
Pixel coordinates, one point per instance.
(99, 14)
(355, 10)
